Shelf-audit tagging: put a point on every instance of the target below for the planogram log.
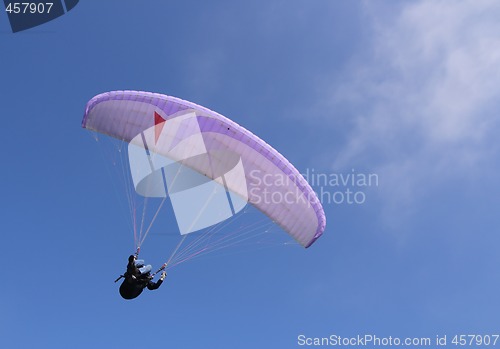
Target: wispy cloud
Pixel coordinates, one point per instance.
(424, 95)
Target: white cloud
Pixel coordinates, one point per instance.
(425, 94)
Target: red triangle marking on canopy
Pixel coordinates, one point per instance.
(159, 123)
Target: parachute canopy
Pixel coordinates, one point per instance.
(205, 163)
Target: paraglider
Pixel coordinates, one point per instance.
(137, 278)
(209, 167)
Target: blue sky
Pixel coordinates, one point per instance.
(405, 90)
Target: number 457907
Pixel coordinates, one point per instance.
(29, 7)
(475, 339)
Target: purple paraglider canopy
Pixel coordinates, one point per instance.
(214, 147)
